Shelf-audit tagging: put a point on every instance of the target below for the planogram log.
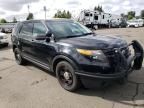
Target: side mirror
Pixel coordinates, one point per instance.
(49, 37)
(48, 34)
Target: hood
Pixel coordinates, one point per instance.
(95, 42)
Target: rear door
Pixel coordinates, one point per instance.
(26, 39)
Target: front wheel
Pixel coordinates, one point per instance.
(66, 76)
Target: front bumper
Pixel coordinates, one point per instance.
(126, 64)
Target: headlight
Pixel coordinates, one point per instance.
(89, 52)
(94, 54)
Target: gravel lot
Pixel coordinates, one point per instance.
(32, 87)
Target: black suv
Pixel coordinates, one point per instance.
(73, 52)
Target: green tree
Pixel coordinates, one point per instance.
(122, 15)
(14, 20)
(142, 14)
(98, 8)
(30, 16)
(69, 14)
(3, 20)
(62, 14)
(131, 15)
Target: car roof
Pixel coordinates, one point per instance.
(53, 19)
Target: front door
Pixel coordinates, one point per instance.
(42, 49)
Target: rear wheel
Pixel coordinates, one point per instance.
(18, 57)
(66, 76)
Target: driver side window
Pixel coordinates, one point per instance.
(39, 29)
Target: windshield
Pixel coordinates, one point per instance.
(66, 29)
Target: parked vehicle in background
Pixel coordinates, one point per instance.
(121, 24)
(135, 23)
(3, 39)
(97, 19)
(2, 30)
(6, 27)
(75, 53)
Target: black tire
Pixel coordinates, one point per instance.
(69, 82)
(18, 57)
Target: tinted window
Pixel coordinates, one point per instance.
(27, 29)
(103, 16)
(86, 14)
(15, 29)
(39, 29)
(63, 29)
(96, 17)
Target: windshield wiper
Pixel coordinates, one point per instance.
(71, 36)
(88, 33)
(78, 35)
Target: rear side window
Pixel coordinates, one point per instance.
(103, 16)
(27, 29)
(15, 29)
(86, 14)
(96, 17)
(39, 29)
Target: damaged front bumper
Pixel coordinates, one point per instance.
(125, 65)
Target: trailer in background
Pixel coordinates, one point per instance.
(95, 19)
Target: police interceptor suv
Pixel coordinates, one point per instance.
(74, 53)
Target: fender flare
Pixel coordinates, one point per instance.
(58, 58)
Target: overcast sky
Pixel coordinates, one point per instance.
(18, 8)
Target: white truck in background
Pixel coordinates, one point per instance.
(97, 19)
(135, 23)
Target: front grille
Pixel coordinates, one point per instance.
(115, 59)
(125, 51)
(113, 53)
(96, 69)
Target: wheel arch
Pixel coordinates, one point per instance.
(60, 58)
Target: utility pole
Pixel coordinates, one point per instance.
(45, 11)
(28, 8)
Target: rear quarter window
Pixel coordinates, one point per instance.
(15, 30)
